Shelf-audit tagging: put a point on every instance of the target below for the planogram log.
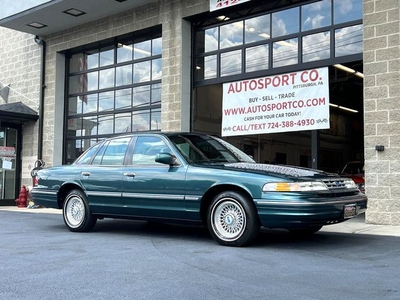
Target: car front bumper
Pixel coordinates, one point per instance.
(291, 213)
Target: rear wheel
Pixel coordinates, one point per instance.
(232, 220)
(76, 212)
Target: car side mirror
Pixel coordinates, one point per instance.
(166, 158)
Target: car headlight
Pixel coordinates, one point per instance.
(350, 184)
(294, 186)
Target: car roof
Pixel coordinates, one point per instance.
(167, 134)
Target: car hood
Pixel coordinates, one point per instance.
(283, 170)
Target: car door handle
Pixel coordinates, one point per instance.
(129, 174)
(85, 173)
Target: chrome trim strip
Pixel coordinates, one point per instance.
(44, 192)
(278, 203)
(153, 196)
(106, 194)
(192, 198)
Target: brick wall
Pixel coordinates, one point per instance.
(382, 110)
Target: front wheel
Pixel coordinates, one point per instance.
(76, 212)
(232, 219)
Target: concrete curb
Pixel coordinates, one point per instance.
(358, 226)
(31, 210)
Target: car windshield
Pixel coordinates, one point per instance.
(353, 168)
(208, 149)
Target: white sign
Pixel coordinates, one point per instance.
(219, 4)
(7, 152)
(281, 103)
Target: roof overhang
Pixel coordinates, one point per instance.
(54, 14)
(17, 113)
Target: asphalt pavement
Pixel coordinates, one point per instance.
(356, 225)
(122, 259)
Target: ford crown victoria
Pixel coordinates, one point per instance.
(194, 178)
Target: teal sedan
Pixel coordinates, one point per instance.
(194, 178)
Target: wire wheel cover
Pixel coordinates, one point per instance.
(75, 211)
(228, 220)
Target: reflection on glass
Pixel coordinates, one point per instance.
(206, 67)
(155, 119)
(92, 81)
(285, 53)
(75, 105)
(140, 120)
(257, 58)
(141, 72)
(156, 93)
(199, 68)
(92, 59)
(84, 98)
(200, 43)
(141, 96)
(74, 127)
(285, 22)
(211, 39)
(349, 40)
(91, 104)
(71, 149)
(124, 52)
(123, 98)
(231, 35)
(316, 46)
(316, 15)
(82, 145)
(77, 63)
(106, 57)
(106, 101)
(106, 78)
(157, 46)
(344, 10)
(74, 86)
(156, 69)
(99, 155)
(105, 124)
(257, 29)
(210, 66)
(122, 122)
(80, 148)
(123, 75)
(142, 49)
(89, 125)
(231, 63)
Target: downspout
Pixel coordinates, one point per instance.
(41, 43)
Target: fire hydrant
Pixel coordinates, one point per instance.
(23, 196)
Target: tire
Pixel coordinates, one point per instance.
(76, 212)
(232, 220)
(305, 231)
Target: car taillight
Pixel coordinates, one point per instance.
(35, 180)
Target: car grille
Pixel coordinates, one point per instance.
(335, 183)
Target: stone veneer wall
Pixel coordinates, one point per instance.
(20, 59)
(382, 110)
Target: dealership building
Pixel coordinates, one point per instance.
(306, 83)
